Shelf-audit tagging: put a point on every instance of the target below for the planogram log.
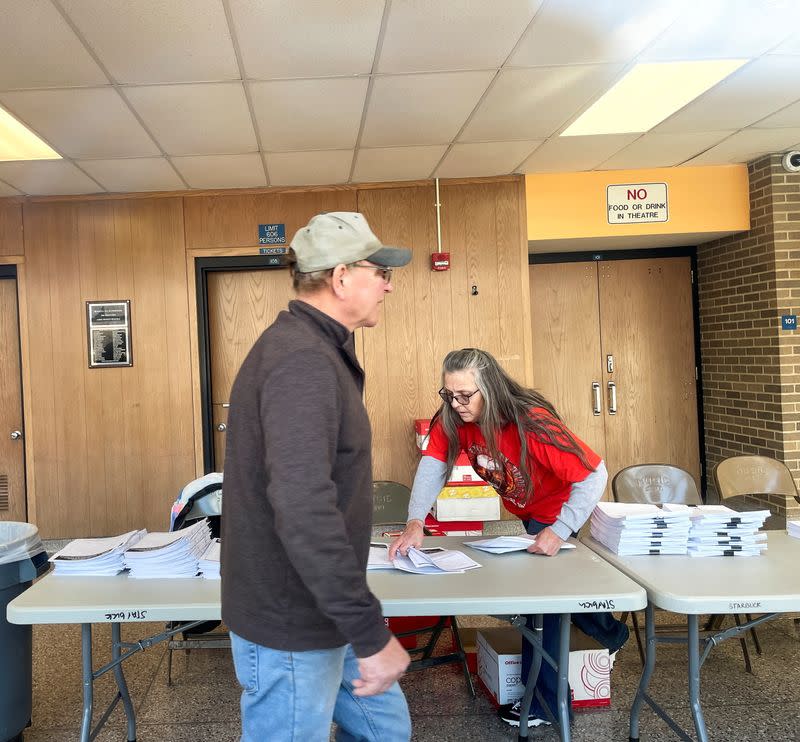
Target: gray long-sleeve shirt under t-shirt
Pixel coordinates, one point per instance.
(583, 496)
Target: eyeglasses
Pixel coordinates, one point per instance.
(462, 399)
(384, 273)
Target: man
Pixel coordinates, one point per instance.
(308, 637)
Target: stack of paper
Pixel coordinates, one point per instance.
(718, 530)
(504, 544)
(97, 557)
(171, 554)
(793, 528)
(631, 529)
(209, 562)
(427, 561)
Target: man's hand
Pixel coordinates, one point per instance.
(411, 536)
(379, 671)
(547, 542)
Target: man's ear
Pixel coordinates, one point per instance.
(339, 279)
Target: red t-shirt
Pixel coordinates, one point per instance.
(551, 470)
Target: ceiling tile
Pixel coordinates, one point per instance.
(534, 103)
(789, 116)
(222, 171)
(47, 178)
(82, 122)
(397, 163)
(581, 32)
(421, 109)
(309, 168)
(484, 158)
(567, 154)
(7, 190)
(725, 29)
(136, 174)
(748, 145)
(40, 50)
(748, 95)
(663, 150)
(308, 114)
(454, 35)
(157, 40)
(202, 119)
(344, 34)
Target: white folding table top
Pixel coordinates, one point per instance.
(693, 585)
(574, 581)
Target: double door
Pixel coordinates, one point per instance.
(614, 350)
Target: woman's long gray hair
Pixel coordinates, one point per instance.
(504, 401)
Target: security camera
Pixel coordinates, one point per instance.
(791, 162)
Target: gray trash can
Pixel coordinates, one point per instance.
(22, 558)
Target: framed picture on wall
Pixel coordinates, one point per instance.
(108, 330)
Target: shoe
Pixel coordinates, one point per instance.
(510, 713)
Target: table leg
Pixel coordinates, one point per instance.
(694, 678)
(121, 684)
(88, 681)
(563, 677)
(647, 671)
(533, 676)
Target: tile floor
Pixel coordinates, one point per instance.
(202, 704)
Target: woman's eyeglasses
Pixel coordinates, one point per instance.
(462, 399)
(384, 273)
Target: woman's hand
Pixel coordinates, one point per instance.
(411, 536)
(547, 542)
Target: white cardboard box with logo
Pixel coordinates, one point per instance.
(500, 667)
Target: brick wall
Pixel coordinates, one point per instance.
(751, 368)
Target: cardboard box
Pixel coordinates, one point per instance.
(453, 528)
(500, 666)
(463, 473)
(422, 429)
(467, 503)
(469, 641)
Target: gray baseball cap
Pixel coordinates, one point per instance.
(342, 237)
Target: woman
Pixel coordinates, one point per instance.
(550, 479)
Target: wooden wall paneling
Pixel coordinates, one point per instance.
(525, 295)
(11, 237)
(232, 220)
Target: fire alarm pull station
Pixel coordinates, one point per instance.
(440, 261)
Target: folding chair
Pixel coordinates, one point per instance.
(658, 484)
(390, 508)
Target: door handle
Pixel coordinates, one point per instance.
(16, 435)
(596, 398)
(222, 427)
(612, 398)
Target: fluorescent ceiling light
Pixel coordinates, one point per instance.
(18, 142)
(648, 94)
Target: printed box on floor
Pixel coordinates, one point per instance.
(500, 667)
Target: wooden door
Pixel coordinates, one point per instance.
(566, 345)
(241, 305)
(647, 326)
(12, 451)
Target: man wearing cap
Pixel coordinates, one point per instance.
(309, 641)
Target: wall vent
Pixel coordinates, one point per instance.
(3, 492)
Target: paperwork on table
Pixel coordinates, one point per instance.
(427, 561)
(793, 528)
(99, 557)
(504, 544)
(209, 562)
(170, 554)
(718, 530)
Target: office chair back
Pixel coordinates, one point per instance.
(389, 503)
(655, 484)
(754, 475)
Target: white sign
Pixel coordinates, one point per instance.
(635, 203)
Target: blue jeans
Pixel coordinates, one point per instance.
(602, 627)
(294, 696)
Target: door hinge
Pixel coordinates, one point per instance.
(691, 273)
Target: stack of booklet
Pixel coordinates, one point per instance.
(171, 554)
(209, 562)
(793, 528)
(718, 530)
(630, 529)
(426, 561)
(96, 557)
